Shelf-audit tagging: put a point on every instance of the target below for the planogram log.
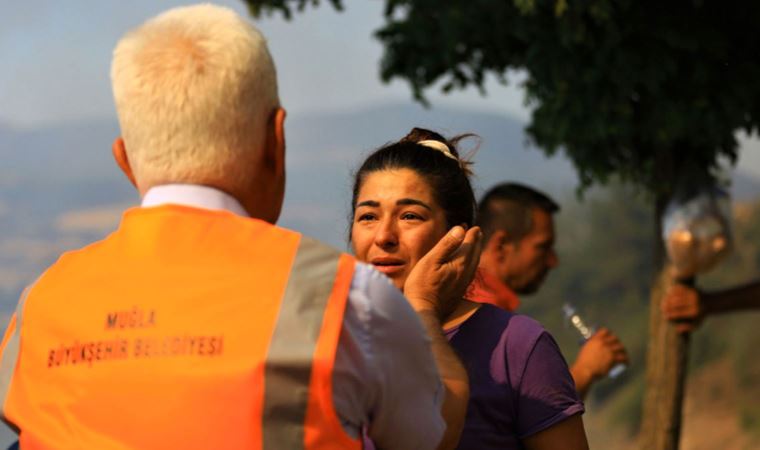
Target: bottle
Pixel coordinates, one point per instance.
(572, 316)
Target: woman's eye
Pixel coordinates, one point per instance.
(411, 216)
(365, 217)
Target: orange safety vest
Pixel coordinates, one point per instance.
(186, 328)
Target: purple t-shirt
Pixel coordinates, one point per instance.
(519, 381)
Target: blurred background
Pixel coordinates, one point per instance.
(59, 188)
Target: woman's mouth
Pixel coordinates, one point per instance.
(388, 266)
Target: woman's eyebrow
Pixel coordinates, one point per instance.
(371, 203)
(412, 201)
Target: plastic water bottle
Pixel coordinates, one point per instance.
(572, 316)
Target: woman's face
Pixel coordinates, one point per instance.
(396, 222)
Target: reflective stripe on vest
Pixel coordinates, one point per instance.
(10, 348)
(295, 338)
(185, 328)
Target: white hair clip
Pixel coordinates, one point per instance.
(439, 146)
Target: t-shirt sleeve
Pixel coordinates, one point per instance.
(407, 395)
(546, 393)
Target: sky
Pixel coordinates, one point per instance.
(59, 59)
(56, 57)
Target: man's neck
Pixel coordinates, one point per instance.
(488, 288)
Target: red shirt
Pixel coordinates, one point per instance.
(487, 288)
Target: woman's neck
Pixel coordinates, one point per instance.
(463, 311)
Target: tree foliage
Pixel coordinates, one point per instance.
(644, 90)
(285, 7)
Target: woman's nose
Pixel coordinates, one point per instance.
(387, 235)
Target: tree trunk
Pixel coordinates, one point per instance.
(667, 359)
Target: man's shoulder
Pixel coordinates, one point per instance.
(378, 311)
(81, 252)
(315, 244)
(373, 293)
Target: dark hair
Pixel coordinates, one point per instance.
(508, 207)
(448, 177)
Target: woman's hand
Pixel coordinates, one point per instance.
(439, 280)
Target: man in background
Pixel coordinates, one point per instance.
(518, 253)
(200, 324)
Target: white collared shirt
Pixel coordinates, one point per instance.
(384, 375)
(193, 195)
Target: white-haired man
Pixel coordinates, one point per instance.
(199, 324)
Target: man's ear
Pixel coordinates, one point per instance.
(120, 155)
(499, 245)
(274, 151)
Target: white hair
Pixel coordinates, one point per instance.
(194, 89)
